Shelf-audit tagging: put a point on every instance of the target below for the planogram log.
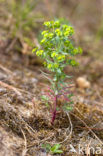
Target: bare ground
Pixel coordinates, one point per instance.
(25, 121)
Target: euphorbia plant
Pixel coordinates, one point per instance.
(57, 51)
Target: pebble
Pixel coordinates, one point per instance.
(83, 83)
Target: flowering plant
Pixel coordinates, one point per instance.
(57, 51)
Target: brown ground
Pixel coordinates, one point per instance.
(25, 121)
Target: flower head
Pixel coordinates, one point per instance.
(39, 52)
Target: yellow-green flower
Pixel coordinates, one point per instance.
(68, 31)
(54, 54)
(39, 52)
(61, 57)
(58, 32)
(47, 24)
(44, 32)
(75, 51)
(46, 35)
(45, 63)
(50, 35)
(71, 30)
(34, 50)
(66, 43)
(43, 41)
(80, 50)
(49, 66)
(73, 63)
(64, 26)
(57, 24)
(56, 65)
(52, 23)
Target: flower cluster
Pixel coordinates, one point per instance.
(58, 49)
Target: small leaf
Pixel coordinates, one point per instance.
(59, 71)
(47, 105)
(70, 95)
(80, 50)
(55, 147)
(71, 102)
(55, 78)
(57, 108)
(44, 97)
(68, 108)
(58, 151)
(46, 146)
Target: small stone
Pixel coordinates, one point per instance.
(82, 83)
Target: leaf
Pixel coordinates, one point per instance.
(55, 147)
(80, 50)
(59, 71)
(71, 102)
(70, 95)
(44, 98)
(68, 108)
(47, 147)
(47, 105)
(57, 108)
(58, 151)
(55, 78)
(47, 77)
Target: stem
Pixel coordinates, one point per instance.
(55, 104)
(54, 112)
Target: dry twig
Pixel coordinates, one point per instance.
(10, 88)
(87, 126)
(25, 143)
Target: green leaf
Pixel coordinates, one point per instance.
(58, 151)
(44, 98)
(70, 95)
(55, 147)
(47, 147)
(57, 108)
(55, 78)
(68, 108)
(47, 105)
(71, 102)
(59, 71)
(80, 50)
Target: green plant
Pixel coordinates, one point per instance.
(55, 149)
(57, 51)
(21, 19)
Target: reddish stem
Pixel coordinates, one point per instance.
(54, 112)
